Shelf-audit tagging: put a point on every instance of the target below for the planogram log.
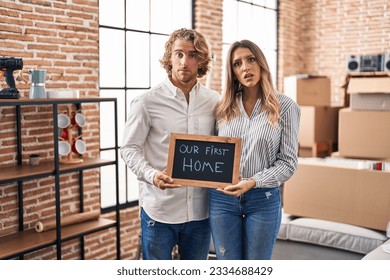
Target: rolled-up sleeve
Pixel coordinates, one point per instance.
(287, 156)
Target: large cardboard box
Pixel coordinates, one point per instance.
(308, 91)
(369, 84)
(341, 194)
(369, 93)
(318, 125)
(364, 134)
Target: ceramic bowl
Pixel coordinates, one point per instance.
(34, 159)
(78, 120)
(64, 148)
(79, 147)
(63, 121)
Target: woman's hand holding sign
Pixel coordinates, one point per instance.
(240, 188)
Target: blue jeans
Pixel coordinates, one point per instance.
(245, 227)
(158, 239)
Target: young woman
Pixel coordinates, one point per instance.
(245, 218)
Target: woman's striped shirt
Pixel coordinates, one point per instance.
(269, 153)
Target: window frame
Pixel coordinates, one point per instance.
(125, 201)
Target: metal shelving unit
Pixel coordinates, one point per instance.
(27, 241)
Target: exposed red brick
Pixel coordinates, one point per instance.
(314, 37)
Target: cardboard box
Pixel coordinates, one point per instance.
(305, 152)
(364, 134)
(369, 84)
(369, 93)
(346, 195)
(319, 151)
(318, 125)
(370, 101)
(308, 91)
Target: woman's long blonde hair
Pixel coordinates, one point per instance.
(229, 108)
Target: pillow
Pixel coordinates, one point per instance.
(380, 253)
(336, 235)
(286, 218)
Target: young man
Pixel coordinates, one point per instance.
(171, 214)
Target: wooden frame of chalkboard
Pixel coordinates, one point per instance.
(204, 160)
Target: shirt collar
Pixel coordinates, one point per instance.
(174, 90)
(256, 109)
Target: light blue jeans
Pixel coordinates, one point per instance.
(158, 239)
(245, 227)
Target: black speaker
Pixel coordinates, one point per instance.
(386, 62)
(353, 63)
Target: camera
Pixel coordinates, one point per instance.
(11, 63)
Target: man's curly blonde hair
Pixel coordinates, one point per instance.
(201, 46)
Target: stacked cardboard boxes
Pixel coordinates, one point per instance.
(335, 190)
(364, 127)
(319, 120)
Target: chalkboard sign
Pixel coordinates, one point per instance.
(204, 160)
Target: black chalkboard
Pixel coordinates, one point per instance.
(204, 160)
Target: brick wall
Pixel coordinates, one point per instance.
(317, 36)
(62, 36)
(208, 20)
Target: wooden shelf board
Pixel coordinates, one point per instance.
(51, 101)
(24, 241)
(87, 163)
(23, 172)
